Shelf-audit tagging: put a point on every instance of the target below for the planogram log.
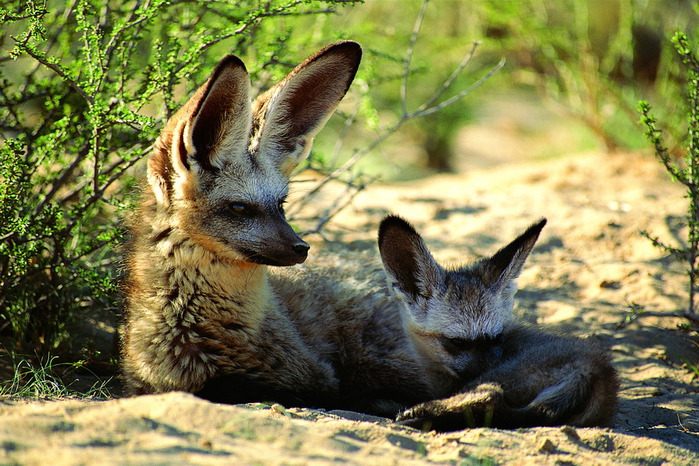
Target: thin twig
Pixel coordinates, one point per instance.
(445, 85)
(57, 69)
(409, 57)
(694, 318)
(461, 94)
(345, 199)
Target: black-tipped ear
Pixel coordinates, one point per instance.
(406, 258)
(507, 263)
(317, 85)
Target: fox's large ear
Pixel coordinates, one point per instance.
(212, 127)
(289, 115)
(219, 127)
(410, 267)
(507, 263)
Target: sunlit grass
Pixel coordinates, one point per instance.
(42, 382)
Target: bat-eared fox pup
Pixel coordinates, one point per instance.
(199, 302)
(499, 373)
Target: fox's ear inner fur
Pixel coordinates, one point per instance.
(507, 263)
(213, 124)
(289, 115)
(220, 124)
(407, 260)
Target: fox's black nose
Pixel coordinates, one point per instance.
(301, 249)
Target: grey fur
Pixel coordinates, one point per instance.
(489, 369)
(204, 314)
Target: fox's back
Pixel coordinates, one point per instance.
(538, 366)
(342, 307)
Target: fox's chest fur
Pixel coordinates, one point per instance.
(192, 316)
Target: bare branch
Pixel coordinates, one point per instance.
(445, 85)
(409, 56)
(461, 94)
(340, 203)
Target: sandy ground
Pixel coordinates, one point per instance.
(589, 268)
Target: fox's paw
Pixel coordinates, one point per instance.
(473, 408)
(422, 416)
(487, 394)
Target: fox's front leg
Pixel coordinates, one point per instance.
(474, 408)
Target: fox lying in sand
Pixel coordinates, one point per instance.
(470, 361)
(205, 315)
(500, 373)
(199, 301)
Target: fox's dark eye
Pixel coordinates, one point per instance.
(461, 345)
(239, 208)
(457, 345)
(280, 206)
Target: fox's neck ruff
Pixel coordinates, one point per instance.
(186, 271)
(181, 291)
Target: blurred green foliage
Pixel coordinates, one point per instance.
(597, 59)
(591, 61)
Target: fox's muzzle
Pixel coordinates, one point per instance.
(280, 245)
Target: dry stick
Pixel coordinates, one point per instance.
(460, 95)
(330, 213)
(680, 314)
(445, 85)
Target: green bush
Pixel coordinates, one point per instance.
(687, 173)
(83, 93)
